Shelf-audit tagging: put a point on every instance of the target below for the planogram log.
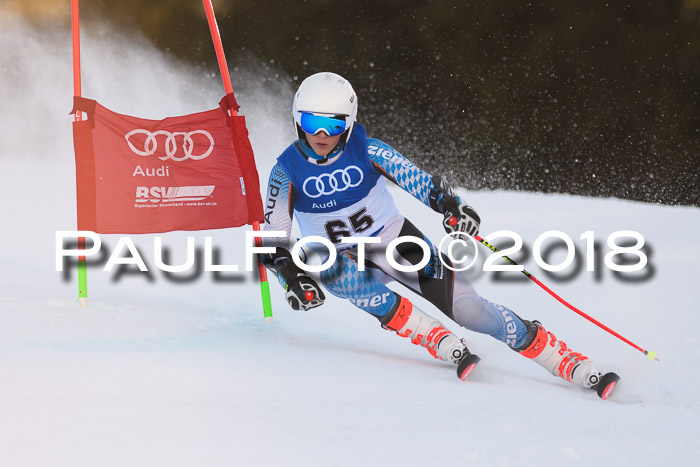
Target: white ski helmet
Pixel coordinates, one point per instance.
(325, 94)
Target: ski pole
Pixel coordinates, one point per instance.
(650, 354)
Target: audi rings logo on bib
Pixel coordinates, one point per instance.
(196, 144)
(338, 180)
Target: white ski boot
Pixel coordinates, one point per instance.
(426, 331)
(556, 357)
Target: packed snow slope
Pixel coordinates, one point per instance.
(183, 371)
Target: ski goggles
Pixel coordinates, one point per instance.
(332, 125)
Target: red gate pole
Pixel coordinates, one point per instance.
(226, 77)
(75, 26)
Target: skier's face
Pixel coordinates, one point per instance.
(321, 143)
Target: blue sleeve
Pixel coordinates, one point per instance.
(279, 211)
(390, 163)
(279, 205)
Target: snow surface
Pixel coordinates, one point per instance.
(155, 372)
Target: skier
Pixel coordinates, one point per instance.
(333, 179)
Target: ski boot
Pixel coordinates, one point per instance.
(555, 356)
(426, 331)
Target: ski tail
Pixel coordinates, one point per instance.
(466, 366)
(607, 385)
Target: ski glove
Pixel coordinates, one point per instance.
(460, 217)
(303, 293)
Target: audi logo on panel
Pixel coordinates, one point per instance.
(338, 180)
(193, 147)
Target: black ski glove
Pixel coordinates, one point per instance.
(460, 217)
(303, 293)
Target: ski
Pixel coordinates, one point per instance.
(606, 385)
(466, 365)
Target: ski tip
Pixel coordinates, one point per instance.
(268, 320)
(466, 366)
(607, 384)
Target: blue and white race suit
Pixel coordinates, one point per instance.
(349, 197)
